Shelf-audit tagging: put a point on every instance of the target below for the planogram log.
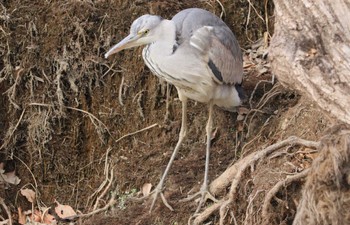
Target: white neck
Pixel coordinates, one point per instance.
(166, 38)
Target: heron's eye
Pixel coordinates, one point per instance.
(146, 31)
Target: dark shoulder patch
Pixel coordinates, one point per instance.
(240, 91)
(177, 43)
(215, 70)
(174, 48)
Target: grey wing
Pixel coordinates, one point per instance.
(214, 42)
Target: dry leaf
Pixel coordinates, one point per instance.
(5, 222)
(10, 177)
(240, 127)
(262, 70)
(36, 216)
(243, 110)
(21, 216)
(48, 218)
(146, 189)
(240, 117)
(29, 194)
(64, 211)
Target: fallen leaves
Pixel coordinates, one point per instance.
(8, 177)
(64, 211)
(255, 59)
(242, 112)
(38, 217)
(29, 194)
(21, 216)
(48, 218)
(43, 215)
(146, 189)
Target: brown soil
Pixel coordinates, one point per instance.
(60, 115)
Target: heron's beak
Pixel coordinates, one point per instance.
(128, 42)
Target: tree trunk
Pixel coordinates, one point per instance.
(310, 51)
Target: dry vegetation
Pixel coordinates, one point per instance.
(89, 132)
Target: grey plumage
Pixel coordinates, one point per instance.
(200, 56)
(216, 38)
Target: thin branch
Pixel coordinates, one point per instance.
(223, 11)
(112, 201)
(120, 92)
(110, 181)
(13, 130)
(136, 132)
(2, 202)
(92, 116)
(256, 11)
(31, 173)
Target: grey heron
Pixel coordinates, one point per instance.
(197, 53)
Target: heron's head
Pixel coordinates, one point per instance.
(142, 32)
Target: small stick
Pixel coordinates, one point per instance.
(112, 201)
(13, 130)
(120, 92)
(253, 92)
(7, 211)
(136, 132)
(31, 173)
(223, 11)
(105, 190)
(256, 11)
(91, 115)
(76, 109)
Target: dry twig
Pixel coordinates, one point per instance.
(92, 117)
(11, 92)
(120, 92)
(136, 132)
(12, 131)
(7, 210)
(112, 201)
(109, 181)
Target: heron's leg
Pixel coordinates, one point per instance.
(165, 88)
(183, 132)
(167, 103)
(204, 192)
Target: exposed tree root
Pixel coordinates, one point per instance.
(234, 174)
(112, 201)
(199, 218)
(271, 194)
(326, 194)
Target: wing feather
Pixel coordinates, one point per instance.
(214, 42)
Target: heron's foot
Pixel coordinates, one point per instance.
(203, 194)
(158, 191)
(154, 195)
